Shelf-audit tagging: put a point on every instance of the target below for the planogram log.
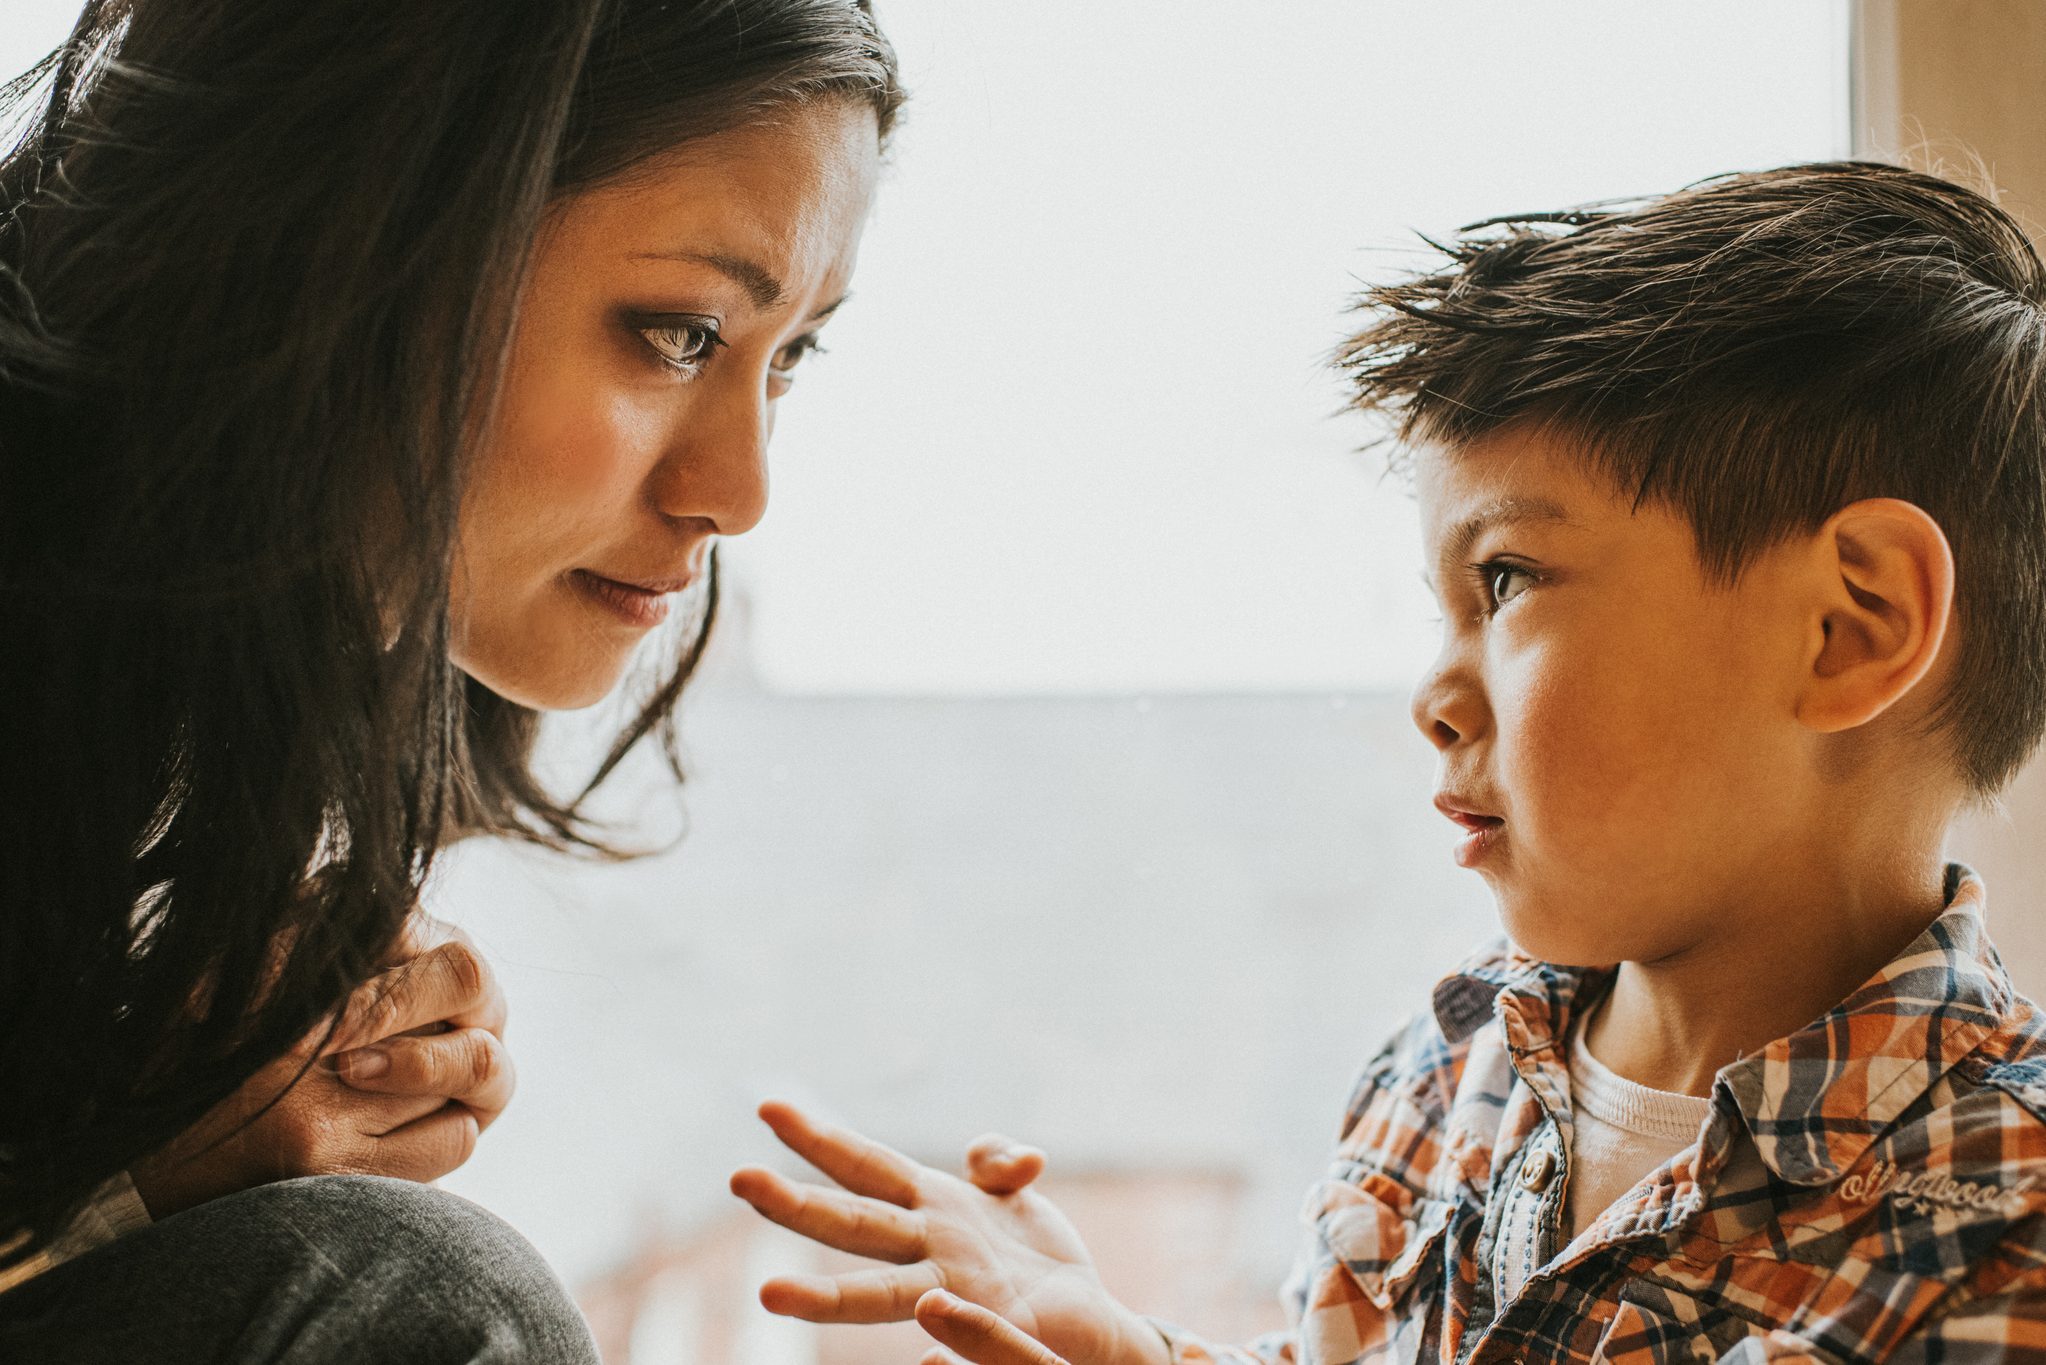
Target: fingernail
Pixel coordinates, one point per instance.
(365, 1063)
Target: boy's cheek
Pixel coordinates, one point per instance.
(1597, 829)
(1598, 776)
(1577, 733)
(1618, 775)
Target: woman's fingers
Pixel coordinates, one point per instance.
(858, 1296)
(998, 1166)
(848, 1222)
(422, 934)
(466, 977)
(448, 982)
(407, 1136)
(470, 1065)
(976, 1335)
(428, 1148)
(860, 1164)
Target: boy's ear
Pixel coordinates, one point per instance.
(1885, 599)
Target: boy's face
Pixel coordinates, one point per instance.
(1617, 732)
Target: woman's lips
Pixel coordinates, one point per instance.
(642, 605)
(1483, 833)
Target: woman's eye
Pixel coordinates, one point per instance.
(1503, 583)
(684, 344)
(791, 355)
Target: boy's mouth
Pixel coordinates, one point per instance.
(1482, 832)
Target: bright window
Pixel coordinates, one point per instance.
(1070, 790)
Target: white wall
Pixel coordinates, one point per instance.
(30, 28)
(1075, 435)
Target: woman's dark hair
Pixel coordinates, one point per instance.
(259, 261)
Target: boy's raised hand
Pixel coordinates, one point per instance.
(971, 1335)
(989, 1240)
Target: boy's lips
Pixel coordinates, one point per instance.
(1465, 812)
(1483, 831)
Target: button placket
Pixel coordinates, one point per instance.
(1520, 1224)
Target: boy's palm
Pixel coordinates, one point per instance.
(990, 1241)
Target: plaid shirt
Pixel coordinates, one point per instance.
(1868, 1188)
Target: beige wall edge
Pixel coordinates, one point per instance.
(1959, 87)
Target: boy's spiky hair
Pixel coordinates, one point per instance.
(1755, 352)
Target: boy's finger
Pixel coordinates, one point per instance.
(998, 1166)
(861, 1296)
(978, 1335)
(938, 1355)
(848, 1222)
(860, 1164)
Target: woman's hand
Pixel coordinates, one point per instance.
(415, 1070)
(989, 1240)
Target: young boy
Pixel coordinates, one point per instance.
(1735, 503)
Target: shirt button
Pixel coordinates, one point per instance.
(1536, 1171)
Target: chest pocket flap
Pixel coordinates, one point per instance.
(1671, 1335)
(1379, 1232)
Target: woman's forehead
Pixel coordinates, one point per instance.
(791, 188)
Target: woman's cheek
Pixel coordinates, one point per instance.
(587, 448)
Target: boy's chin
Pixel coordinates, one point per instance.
(1553, 930)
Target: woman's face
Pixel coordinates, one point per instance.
(663, 319)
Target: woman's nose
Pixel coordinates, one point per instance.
(715, 469)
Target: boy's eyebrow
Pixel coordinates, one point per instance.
(1504, 512)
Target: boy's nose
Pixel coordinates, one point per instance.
(1441, 711)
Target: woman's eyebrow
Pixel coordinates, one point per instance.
(757, 280)
(760, 283)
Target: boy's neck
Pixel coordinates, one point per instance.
(1774, 964)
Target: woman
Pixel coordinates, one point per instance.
(374, 375)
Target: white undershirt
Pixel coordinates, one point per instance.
(1621, 1132)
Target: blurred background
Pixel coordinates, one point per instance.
(1052, 771)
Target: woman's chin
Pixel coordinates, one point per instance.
(574, 688)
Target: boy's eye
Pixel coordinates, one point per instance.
(684, 343)
(791, 355)
(1502, 582)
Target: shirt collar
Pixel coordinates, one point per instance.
(1815, 1100)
